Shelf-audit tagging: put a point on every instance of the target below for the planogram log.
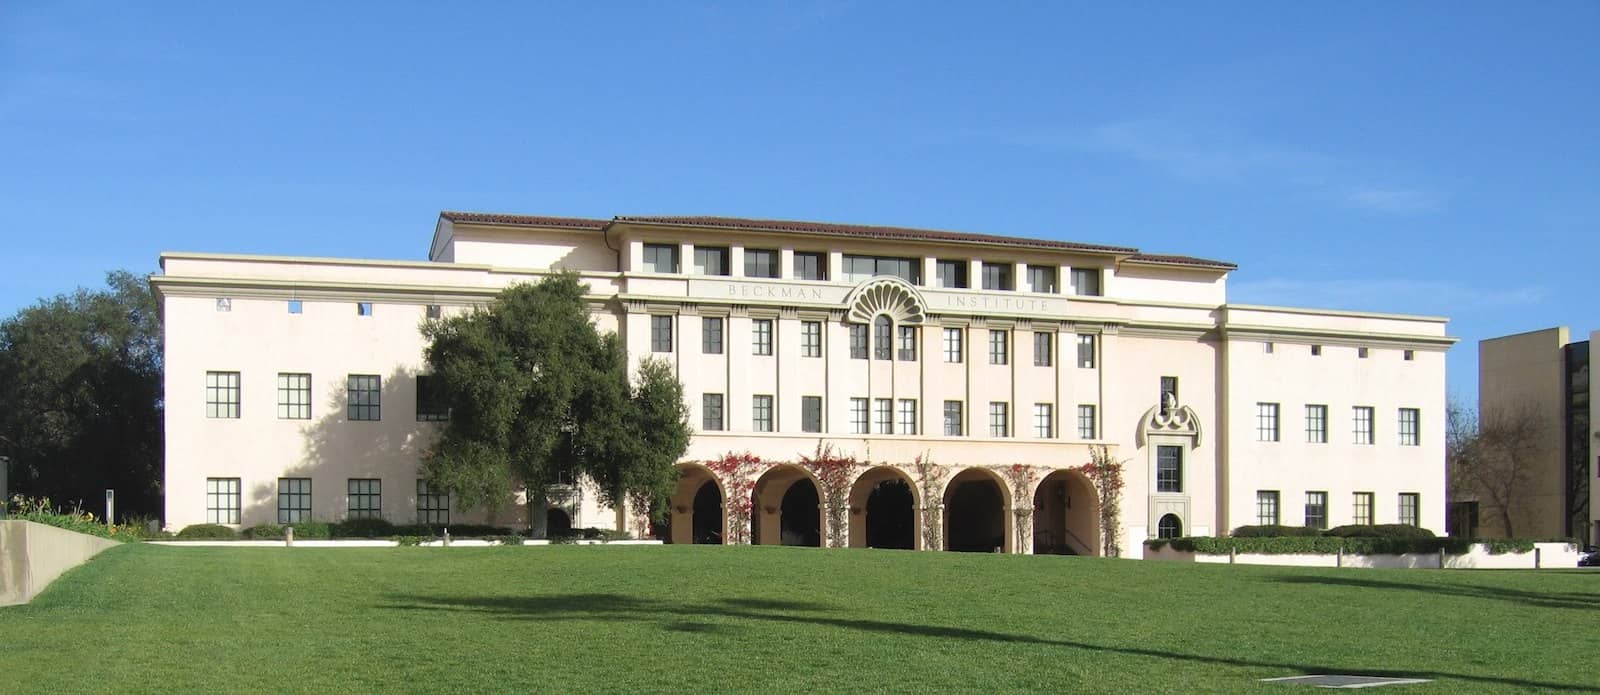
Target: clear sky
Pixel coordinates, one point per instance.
(1418, 157)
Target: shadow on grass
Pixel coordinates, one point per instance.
(1534, 599)
(677, 617)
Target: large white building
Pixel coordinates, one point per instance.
(292, 383)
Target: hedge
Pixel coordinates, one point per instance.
(1380, 531)
(1274, 531)
(207, 532)
(1328, 545)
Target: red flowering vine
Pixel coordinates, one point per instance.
(738, 473)
(930, 479)
(835, 473)
(1106, 474)
(1021, 479)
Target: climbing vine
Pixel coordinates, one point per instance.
(1021, 479)
(930, 480)
(1106, 474)
(835, 473)
(738, 473)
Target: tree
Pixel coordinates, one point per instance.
(1495, 457)
(538, 396)
(80, 397)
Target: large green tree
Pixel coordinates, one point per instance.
(539, 396)
(80, 397)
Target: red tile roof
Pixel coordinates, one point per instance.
(1166, 259)
(871, 232)
(524, 220)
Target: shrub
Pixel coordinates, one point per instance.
(207, 532)
(411, 541)
(456, 530)
(362, 528)
(311, 530)
(1380, 531)
(509, 539)
(1274, 531)
(41, 511)
(263, 532)
(590, 534)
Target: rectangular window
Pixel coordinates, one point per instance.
(1361, 353)
(1169, 469)
(1042, 278)
(1044, 421)
(1086, 282)
(365, 498)
(1266, 422)
(1409, 355)
(296, 306)
(1410, 509)
(997, 276)
(1361, 416)
(858, 341)
(952, 418)
(811, 413)
(1086, 424)
(711, 260)
(760, 263)
(363, 308)
(1316, 350)
(858, 416)
(761, 413)
(810, 338)
(222, 500)
(433, 504)
(711, 412)
(952, 345)
(431, 404)
(882, 342)
(908, 344)
(1043, 349)
(951, 274)
(1317, 424)
(661, 334)
(761, 337)
(222, 394)
(1086, 351)
(858, 268)
(711, 335)
(1363, 509)
(810, 265)
(294, 396)
(1267, 348)
(294, 500)
(364, 397)
(1410, 427)
(1317, 510)
(224, 304)
(908, 416)
(661, 258)
(1267, 507)
(999, 419)
(432, 311)
(1169, 386)
(999, 348)
(883, 415)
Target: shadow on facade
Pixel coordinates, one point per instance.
(1534, 599)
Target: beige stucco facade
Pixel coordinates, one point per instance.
(973, 414)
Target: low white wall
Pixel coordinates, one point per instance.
(32, 555)
(1544, 556)
(376, 543)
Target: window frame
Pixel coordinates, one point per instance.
(224, 500)
(1086, 350)
(1086, 282)
(1267, 422)
(713, 333)
(713, 261)
(1316, 423)
(430, 405)
(811, 418)
(294, 395)
(1317, 509)
(433, 506)
(952, 345)
(713, 414)
(1044, 421)
(1002, 279)
(954, 425)
(882, 337)
(223, 390)
(1363, 429)
(951, 274)
(999, 419)
(1169, 469)
(370, 498)
(652, 264)
(762, 415)
(1415, 511)
(883, 415)
(1269, 510)
(294, 500)
(1410, 430)
(661, 333)
(753, 263)
(810, 338)
(858, 416)
(761, 337)
(1088, 421)
(817, 274)
(1362, 512)
(906, 343)
(908, 416)
(999, 346)
(363, 397)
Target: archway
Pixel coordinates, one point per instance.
(1170, 526)
(883, 510)
(557, 522)
(1066, 515)
(786, 509)
(696, 513)
(708, 521)
(975, 518)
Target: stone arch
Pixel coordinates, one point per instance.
(890, 296)
(786, 508)
(883, 510)
(977, 512)
(557, 522)
(1066, 515)
(698, 513)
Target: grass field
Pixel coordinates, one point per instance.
(579, 619)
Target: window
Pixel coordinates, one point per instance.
(882, 343)
(1042, 278)
(811, 413)
(432, 311)
(1362, 417)
(294, 500)
(761, 413)
(1410, 427)
(1169, 386)
(1316, 350)
(810, 265)
(222, 394)
(363, 308)
(1363, 509)
(1410, 512)
(1317, 510)
(997, 276)
(433, 504)
(1317, 424)
(711, 260)
(1267, 348)
(1267, 507)
(1086, 351)
(908, 416)
(952, 345)
(1044, 421)
(883, 415)
(224, 304)
(1361, 353)
(908, 344)
(761, 337)
(365, 498)
(858, 341)
(858, 416)
(952, 418)
(951, 273)
(1409, 355)
(1266, 422)
(711, 412)
(1086, 282)
(1169, 527)
(999, 348)
(661, 334)
(296, 306)
(661, 258)
(1086, 424)
(364, 397)
(810, 338)
(1169, 469)
(711, 335)
(999, 419)
(858, 268)
(222, 500)
(431, 403)
(1043, 349)
(761, 263)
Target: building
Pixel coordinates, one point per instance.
(293, 383)
(1545, 375)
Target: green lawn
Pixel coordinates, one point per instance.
(675, 618)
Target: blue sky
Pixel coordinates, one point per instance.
(1420, 157)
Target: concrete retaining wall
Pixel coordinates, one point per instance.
(1545, 556)
(32, 555)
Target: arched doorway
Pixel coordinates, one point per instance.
(1170, 526)
(883, 510)
(786, 509)
(1066, 515)
(696, 514)
(975, 518)
(557, 522)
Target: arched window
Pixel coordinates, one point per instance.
(882, 346)
(1169, 527)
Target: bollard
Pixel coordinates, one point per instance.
(1441, 558)
(288, 536)
(447, 537)
(1233, 553)
(1536, 557)
(1338, 560)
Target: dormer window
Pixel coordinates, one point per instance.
(711, 260)
(1042, 278)
(998, 276)
(760, 263)
(951, 274)
(1086, 282)
(661, 258)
